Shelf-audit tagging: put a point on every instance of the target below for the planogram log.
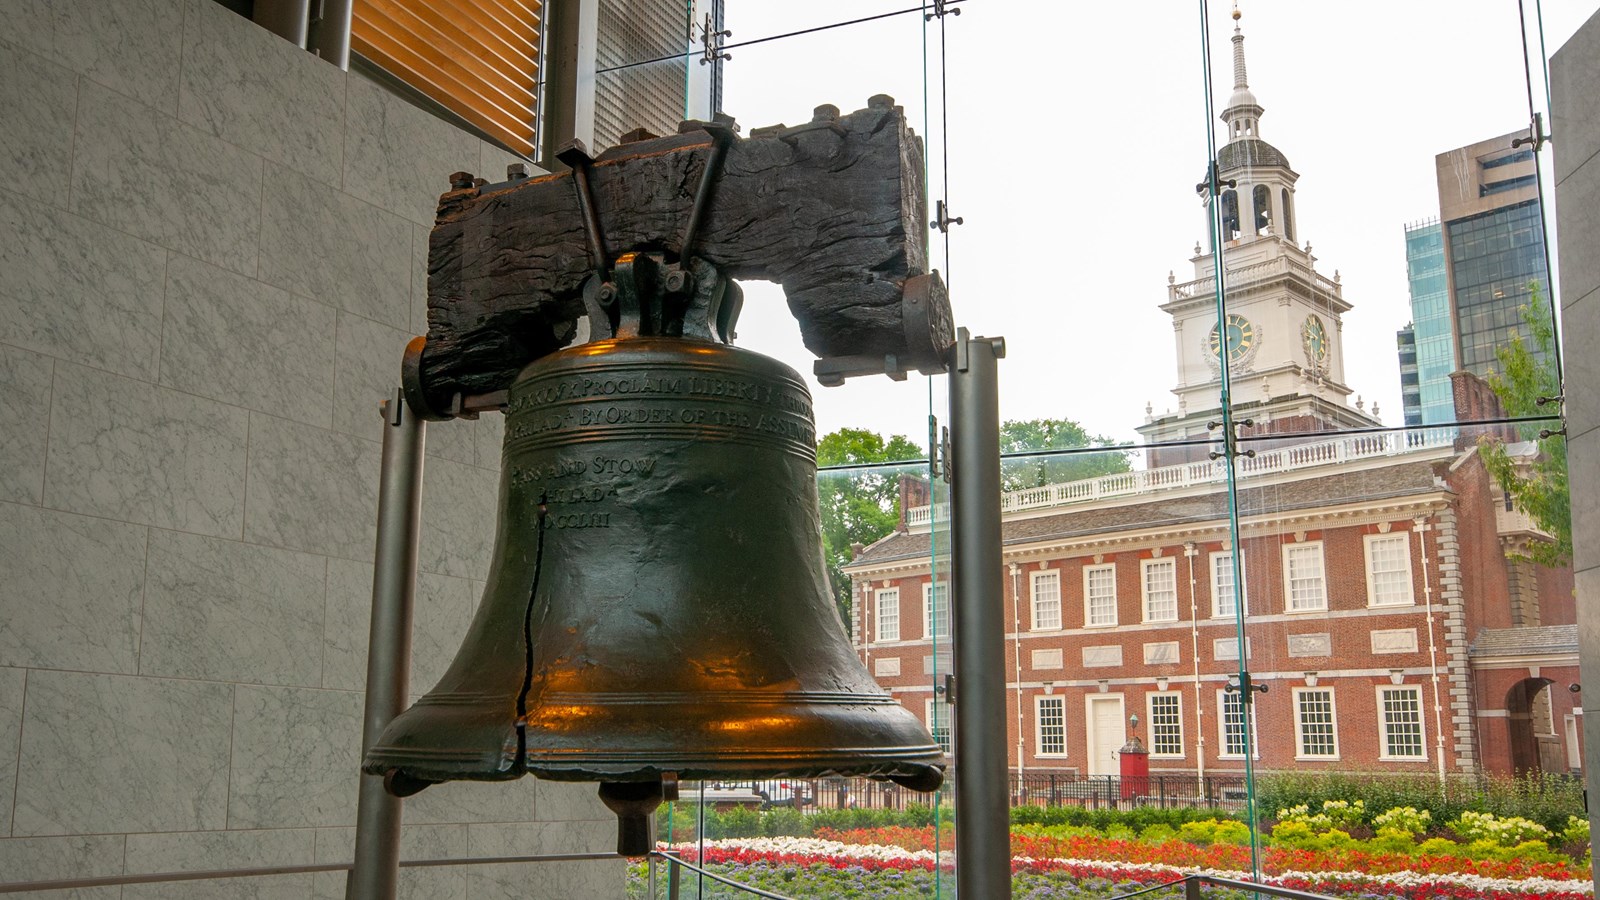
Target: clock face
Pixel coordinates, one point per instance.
(1241, 337)
(1315, 336)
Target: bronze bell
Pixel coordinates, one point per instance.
(657, 607)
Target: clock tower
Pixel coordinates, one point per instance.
(1282, 336)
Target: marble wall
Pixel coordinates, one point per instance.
(212, 250)
(1574, 87)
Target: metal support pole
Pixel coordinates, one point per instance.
(983, 832)
(329, 35)
(376, 873)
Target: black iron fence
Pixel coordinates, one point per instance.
(1027, 789)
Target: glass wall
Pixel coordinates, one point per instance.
(1245, 536)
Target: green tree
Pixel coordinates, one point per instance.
(1538, 487)
(859, 507)
(1020, 436)
(862, 506)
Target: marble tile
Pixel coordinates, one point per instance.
(1574, 83)
(398, 157)
(71, 288)
(475, 802)
(367, 372)
(237, 340)
(192, 851)
(127, 450)
(225, 611)
(261, 887)
(60, 858)
(72, 590)
(347, 625)
(458, 519)
(597, 879)
(455, 439)
(171, 746)
(311, 489)
(38, 100)
(419, 278)
(1578, 225)
(1583, 475)
(296, 758)
(251, 88)
(146, 173)
(441, 614)
(24, 423)
(11, 686)
(1580, 325)
(416, 842)
(131, 47)
(1586, 588)
(559, 801)
(334, 248)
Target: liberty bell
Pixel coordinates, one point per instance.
(658, 607)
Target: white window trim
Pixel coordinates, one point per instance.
(1150, 720)
(1033, 599)
(1299, 723)
(1088, 619)
(1222, 730)
(1372, 591)
(1243, 597)
(878, 596)
(1038, 730)
(949, 726)
(927, 610)
(1145, 565)
(1288, 590)
(1383, 724)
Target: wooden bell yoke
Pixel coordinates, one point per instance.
(833, 210)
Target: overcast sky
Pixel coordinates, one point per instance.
(1076, 136)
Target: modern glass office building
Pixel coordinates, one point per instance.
(1427, 399)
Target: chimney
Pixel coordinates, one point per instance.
(914, 492)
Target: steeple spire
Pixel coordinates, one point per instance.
(1240, 82)
(1243, 113)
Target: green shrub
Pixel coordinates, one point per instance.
(1505, 832)
(1292, 833)
(1159, 833)
(1393, 840)
(1213, 831)
(1407, 819)
(1120, 832)
(1316, 822)
(1345, 813)
(1138, 818)
(1545, 799)
(1334, 839)
(1577, 830)
(1439, 847)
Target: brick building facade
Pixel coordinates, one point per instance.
(1382, 613)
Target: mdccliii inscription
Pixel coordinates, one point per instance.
(832, 210)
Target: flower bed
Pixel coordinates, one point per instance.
(812, 867)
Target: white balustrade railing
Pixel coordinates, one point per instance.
(1337, 451)
(1251, 274)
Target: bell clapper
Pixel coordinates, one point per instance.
(635, 802)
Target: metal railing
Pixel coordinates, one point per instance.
(1334, 452)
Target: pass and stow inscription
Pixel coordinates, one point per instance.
(581, 490)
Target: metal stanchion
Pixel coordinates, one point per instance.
(375, 875)
(983, 825)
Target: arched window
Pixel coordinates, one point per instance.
(1261, 198)
(1230, 215)
(1288, 217)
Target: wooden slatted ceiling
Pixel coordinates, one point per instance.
(477, 58)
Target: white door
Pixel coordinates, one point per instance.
(1106, 734)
